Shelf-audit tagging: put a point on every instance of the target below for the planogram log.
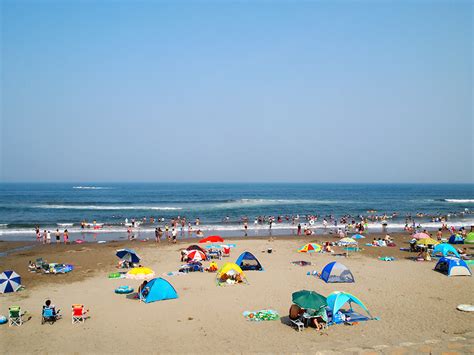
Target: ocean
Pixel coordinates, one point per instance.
(221, 206)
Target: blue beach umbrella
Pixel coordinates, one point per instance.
(358, 236)
(10, 281)
(128, 255)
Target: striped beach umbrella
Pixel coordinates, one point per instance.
(140, 273)
(310, 248)
(10, 281)
(196, 255)
(347, 241)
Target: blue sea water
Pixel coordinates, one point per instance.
(22, 206)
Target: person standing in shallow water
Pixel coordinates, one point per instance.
(66, 236)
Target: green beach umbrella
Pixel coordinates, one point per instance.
(309, 299)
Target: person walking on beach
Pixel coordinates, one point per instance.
(174, 233)
(299, 229)
(157, 235)
(66, 236)
(48, 237)
(44, 236)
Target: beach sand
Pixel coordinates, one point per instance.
(416, 305)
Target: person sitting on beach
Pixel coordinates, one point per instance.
(31, 266)
(382, 243)
(423, 255)
(375, 243)
(462, 252)
(48, 304)
(142, 286)
(184, 255)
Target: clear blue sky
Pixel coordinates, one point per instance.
(317, 91)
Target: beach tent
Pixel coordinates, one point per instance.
(212, 239)
(248, 261)
(420, 236)
(230, 273)
(337, 300)
(456, 239)
(427, 241)
(128, 255)
(336, 272)
(196, 255)
(195, 247)
(10, 281)
(358, 236)
(453, 267)
(310, 248)
(157, 290)
(445, 250)
(470, 238)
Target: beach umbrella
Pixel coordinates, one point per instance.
(427, 241)
(128, 255)
(197, 255)
(309, 299)
(140, 273)
(310, 248)
(10, 281)
(420, 236)
(212, 239)
(347, 240)
(358, 236)
(194, 247)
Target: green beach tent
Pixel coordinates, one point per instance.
(469, 239)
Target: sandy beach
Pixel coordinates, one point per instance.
(416, 305)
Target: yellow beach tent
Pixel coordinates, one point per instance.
(230, 273)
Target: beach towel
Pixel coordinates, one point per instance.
(262, 315)
(387, 258)
(174, 273)
(301, 263)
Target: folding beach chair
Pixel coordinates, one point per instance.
(78, 313)
(49, 315)
(226, 251)
(14, 316)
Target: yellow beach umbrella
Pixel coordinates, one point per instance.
(140, 273)
(427, 241)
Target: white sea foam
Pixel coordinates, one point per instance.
(109, 207)
(91, 187)
(461, 200)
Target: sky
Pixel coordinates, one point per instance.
(248, 91)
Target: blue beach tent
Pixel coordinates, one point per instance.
(336, 272)
(456, 239)
(445, 250)
(453, 267)
(247, 261)
(157, 290)
(337, 300)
